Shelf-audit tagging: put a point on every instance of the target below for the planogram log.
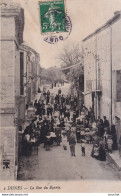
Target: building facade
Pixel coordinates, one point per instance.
(12, 92)
(102, 71)
(30, 80)
(12, 26)
(116, 74)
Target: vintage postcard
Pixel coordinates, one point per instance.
(60, 96)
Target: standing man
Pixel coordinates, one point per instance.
(83, 149)
(62, 100)
(52, 85)
(72, 143)
(105, 122)
(52, 99)
(72, 101)
(48, 97)
(59, 91)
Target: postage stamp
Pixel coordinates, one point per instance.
(52, 16)
(60, 36)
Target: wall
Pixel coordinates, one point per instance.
(11, 23)
(8, 143)
(8, 27)
(102, 62)
(104, 71)
(17, 71)
(116, 67)
(31, 72)
(116, 61)
(89, 47)
(12, 111)
(7, 71)
(116, 45)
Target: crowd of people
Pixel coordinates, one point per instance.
(59, 119)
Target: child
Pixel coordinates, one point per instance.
(64, 142)
(83, 149)
(110, 143)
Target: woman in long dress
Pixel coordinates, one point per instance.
(102, 153)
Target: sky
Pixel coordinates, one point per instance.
(86, 16)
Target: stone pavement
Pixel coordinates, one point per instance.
(65, 89)
(58, 164)
(115, 159)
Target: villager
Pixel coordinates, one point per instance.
(109, 143)
(114, 137)
(83, 149)
(72, 143)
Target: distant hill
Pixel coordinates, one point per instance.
(51, 74)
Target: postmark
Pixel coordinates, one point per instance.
(58, 37)
(55, 23)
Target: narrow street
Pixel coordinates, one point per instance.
(65, 89)
(58, 164)
(60, 92)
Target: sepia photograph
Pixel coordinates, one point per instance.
(60, 90)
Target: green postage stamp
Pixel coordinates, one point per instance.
(52, 16)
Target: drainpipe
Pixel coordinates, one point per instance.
(26, 78)
(96, 76)
(111, 67)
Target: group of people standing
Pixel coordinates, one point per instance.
(76, 124)
(52, 112)
(49, 103)
(104, 139)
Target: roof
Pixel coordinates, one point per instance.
(25, 46)
(117, 16)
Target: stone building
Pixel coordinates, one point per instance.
(116, 73)
(31, 72)
(102, 71)
(12, 26)
(12, 92)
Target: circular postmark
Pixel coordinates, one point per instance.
(55, 37)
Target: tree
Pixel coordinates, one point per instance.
(71, 58)
(72, 66)
(51, 75)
